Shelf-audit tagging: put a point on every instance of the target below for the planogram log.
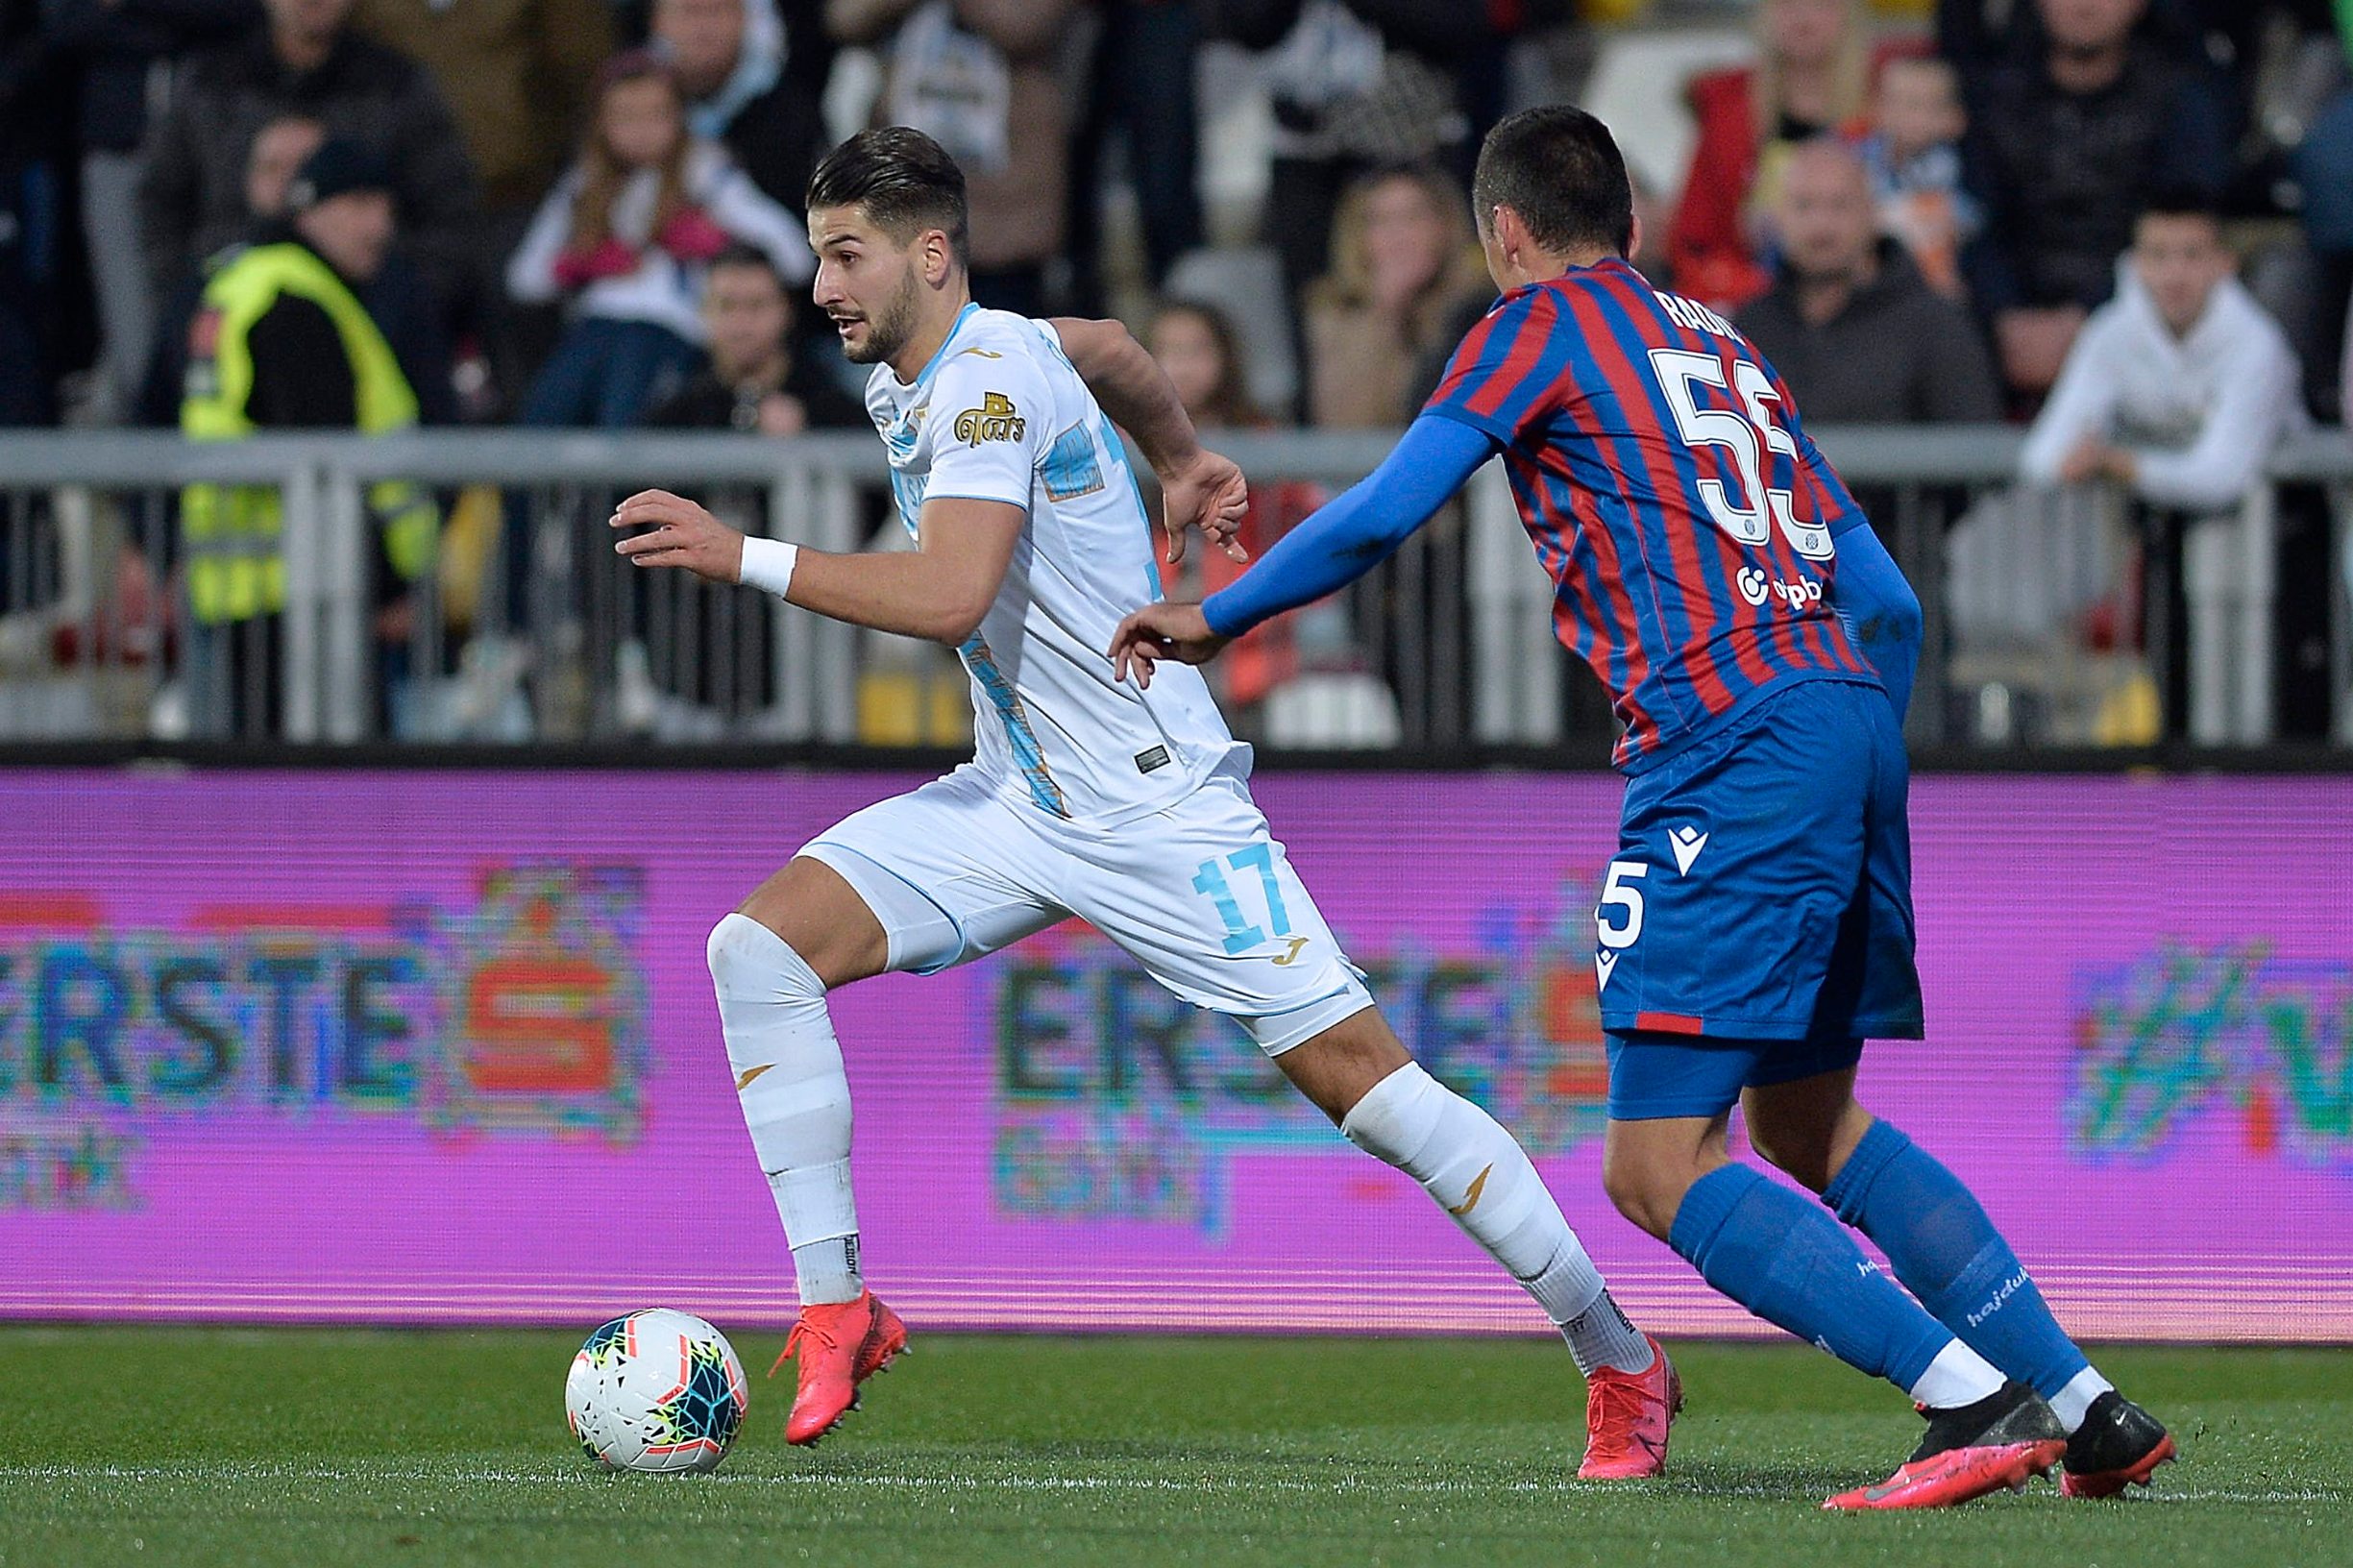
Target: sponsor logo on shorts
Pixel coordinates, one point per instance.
(1686, 841)
(1298, 945)
(997, 419)
(743, 1080)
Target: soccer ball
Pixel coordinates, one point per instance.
(658, 1391)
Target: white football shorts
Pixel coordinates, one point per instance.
(1199, 893)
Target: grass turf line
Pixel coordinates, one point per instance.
(313, 1447)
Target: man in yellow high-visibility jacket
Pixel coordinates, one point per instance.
(282, 341)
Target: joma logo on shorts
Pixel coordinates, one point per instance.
(994, 420)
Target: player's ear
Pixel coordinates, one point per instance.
(939, 257)
(1634, 236)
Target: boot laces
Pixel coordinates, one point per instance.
(1616, 1409)
(804, 1328)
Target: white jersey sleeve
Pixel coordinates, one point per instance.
(989, 418)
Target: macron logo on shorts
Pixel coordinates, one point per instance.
(1686, 843)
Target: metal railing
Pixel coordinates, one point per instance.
(527, 626)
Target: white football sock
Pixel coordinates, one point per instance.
(2073, 1403)
(1958, 1376)
(1478, 1174)
(794, 1096)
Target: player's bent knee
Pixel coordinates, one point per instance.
(746, 958)
(811, 909)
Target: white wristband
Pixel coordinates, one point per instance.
(768, 565)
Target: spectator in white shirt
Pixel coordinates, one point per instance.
(2178, 389)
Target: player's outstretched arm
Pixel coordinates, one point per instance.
(1342, 541)
(1199, 488)
(938, 591)
(1881, 610)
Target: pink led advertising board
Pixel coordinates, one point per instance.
(431, 1047)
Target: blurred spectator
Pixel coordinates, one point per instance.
(1197, 346)
(708, 657)
(31, 145)
(753, 74)
(1914, 156)
(305, 60)
(116, 47)
(280, 149)
(284, 343)
(1139, 86)
(2178, 389)
(1850, 324)
(2323, 169)
(2180, 386)
(1406, 270)
(516, 74)
(1361, 84)
(2062, 151)
(754, 382)
(981, 77)
(1812, 78)
(394, 294)
(627, 236)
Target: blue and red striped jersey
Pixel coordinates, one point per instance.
(1660, 469)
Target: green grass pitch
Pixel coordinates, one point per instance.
(318, 1447)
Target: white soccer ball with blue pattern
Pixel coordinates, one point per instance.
(658, 1391)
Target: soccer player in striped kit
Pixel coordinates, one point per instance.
(1755, 925)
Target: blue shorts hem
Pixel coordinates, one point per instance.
(1653, 1077)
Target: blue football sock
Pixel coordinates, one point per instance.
(1947, 1253)
(1784, 1260)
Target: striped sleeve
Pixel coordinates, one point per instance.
(1504, 377)
(1834, 504)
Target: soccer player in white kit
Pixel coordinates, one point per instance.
(1087, 795)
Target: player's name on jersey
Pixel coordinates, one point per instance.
(1695, 315)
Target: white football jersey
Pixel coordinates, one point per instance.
(1000, 414)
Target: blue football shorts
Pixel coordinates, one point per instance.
(1757, 924)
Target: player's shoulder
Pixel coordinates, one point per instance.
(995, 337)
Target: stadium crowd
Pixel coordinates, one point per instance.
(2128, 221)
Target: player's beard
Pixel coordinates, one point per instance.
(888, 333)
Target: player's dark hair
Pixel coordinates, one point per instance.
(1561, 170)
(905, 180)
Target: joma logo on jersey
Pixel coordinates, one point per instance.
(994, 420)
(1755, 587)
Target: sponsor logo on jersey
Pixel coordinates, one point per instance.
(984, 353)
(1756, 588)
(997, 419)
(1152, 761)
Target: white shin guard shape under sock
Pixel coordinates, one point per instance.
(1480, 1175)
(794, 1096)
